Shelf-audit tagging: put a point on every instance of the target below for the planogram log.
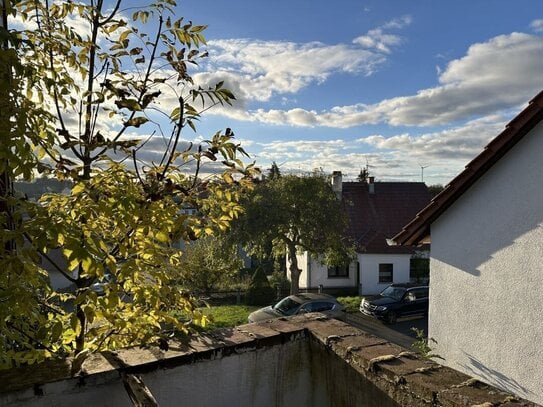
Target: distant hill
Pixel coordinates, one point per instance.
(33, 190)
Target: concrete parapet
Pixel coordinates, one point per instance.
(303, 360)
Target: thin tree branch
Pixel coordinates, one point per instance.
(52, 66)
(55, 265)
(144, 83)
(176, 138)
(113, 13)
(35, 341)
(95, 24)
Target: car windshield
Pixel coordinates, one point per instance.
(287, 306)
(394, 292)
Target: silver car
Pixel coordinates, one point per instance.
(300, 304)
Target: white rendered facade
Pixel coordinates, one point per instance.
(363, 272)
(486, 275)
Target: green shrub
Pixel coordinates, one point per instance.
(260, 291)
(422, 344)
(279, 281)
(351, 304)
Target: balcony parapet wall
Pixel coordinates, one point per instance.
(359, 359)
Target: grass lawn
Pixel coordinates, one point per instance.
(226, 316)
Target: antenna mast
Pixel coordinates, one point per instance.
(422, 167)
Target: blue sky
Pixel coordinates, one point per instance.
(393, 84)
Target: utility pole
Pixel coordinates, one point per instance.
(422, 167)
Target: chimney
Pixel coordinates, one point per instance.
(371, 185)
(337, 183)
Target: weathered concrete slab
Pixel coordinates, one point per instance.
(405, 377)
(473, 392)
(346, 345)
(428, 385)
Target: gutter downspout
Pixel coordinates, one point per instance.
(308, 278)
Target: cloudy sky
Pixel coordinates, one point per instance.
(393, 84)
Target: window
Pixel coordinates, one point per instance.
(189, 211)
(317, 306)
(420, 293)
(385, 272)
(338, 271)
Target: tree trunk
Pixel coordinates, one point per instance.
(293, 268)
(80, 339)
(6, 111)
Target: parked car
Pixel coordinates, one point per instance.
(300, 304)
(99, 286)
(397, 300)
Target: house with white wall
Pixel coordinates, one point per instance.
(376, 211)
(486, 232)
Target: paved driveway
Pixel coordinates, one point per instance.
(399, 333)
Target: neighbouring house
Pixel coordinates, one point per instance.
(53, 260)
(486, 232)
(376, 211)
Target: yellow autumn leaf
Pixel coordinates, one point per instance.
(162, 237)
(86, 263)
(78, 188)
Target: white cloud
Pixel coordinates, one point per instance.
(257, 70)
(398, 23)
(497, 74)
(537, 25)
(379, 40)
(500, 73)
(459, 143)
(398, 157)
(305, 146)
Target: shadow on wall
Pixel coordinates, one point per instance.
(500, 209)
(478, 369)
(482, 238)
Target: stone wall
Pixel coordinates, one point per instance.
(304, 361)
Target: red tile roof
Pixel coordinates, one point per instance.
(418, 230)
(374, 218)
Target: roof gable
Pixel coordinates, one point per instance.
(418, 230)
(378, 216)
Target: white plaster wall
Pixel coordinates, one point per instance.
(315, 273)
(303, 266)
(275, 376)
(319, 275)
(105, 390)
(369, 271)
(486, 290)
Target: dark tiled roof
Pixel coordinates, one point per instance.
(374, 218)
(418, 230)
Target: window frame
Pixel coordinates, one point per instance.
(339, 271)
(390, 269)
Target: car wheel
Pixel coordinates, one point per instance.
(391, 318)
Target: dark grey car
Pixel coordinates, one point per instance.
(300, 304)
(396, 301)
